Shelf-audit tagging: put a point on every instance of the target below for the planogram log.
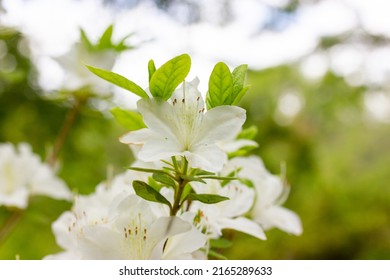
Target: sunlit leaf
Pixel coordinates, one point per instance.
(166, 78)
(151, 69)
(118, 80)
(130, 119)
(220, 86)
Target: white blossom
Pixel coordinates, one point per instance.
(228, 214)
(271, 193)
(23, 174)
(182, 127)
(114, 223)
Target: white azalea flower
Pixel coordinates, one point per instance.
(22, 174)
(113, 223)
(270, 195)
(89, 211)
(182, 127)
(77, 76)
(228, 214)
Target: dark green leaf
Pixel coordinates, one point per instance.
(165, 79)
(190, 178)
(220, 87)
(148, 193)
(151, 69)
(164, 179)
(130, 119)
(207, 198)
(118, 80)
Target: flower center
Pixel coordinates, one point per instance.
(188, 113)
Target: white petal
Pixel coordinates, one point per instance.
(281, 218)
(181, 246)
(158, 116)
(207, 157)
(157, 149)
(244, 225)
(137, 136)
(235, 145)
(18, 198)
(220, 124)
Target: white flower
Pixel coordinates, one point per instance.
(77, 76)
(114, 223)
(271, 193)
(181, 127)
(89, 211)
(22, 174)
(228, 214)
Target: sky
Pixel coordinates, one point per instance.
(52, 28)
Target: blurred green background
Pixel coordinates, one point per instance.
(337, 160)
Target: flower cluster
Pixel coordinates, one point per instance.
(191, 181)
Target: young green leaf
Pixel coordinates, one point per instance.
(130, 119)
(166, 78)
(148, 193)
(248, 133)
(118, 80)
(220, 86)
(151, 69)
(207, 198)
(105, 40)
(238, 75)
(240, 95)
(85, 40)
(238, 83)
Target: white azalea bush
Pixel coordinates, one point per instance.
(192, 178)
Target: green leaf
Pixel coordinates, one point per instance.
(190, 178)
(216, 255)
(218, 178)
(220, 87)
(207, 198)
(85, 40)
(148, 170)
(220, 243)
(238, 75)
(164, 179)
(130, 119)
(151, 69)
(243, 151)
(105, 40)
(240, 95)
(248, 133)
(166, 79)
(148, 193)
(118, 80)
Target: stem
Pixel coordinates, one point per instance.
(68, 122)
(10, 225)
(176, 204)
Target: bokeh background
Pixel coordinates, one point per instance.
(319, 72)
